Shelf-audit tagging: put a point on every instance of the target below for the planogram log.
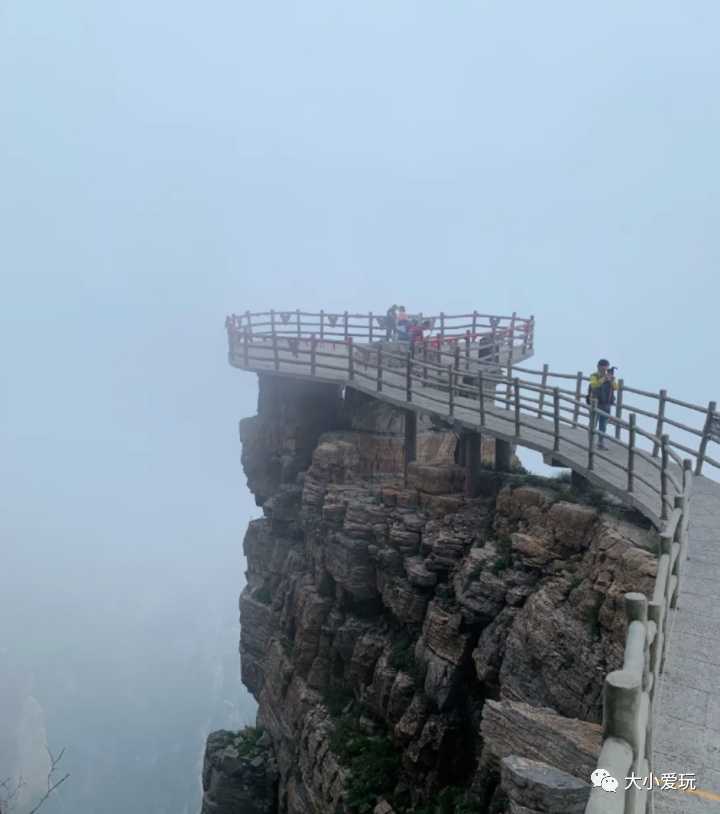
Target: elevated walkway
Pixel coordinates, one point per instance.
(468, 375)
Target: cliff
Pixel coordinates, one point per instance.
(411, 648)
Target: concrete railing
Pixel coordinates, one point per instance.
(448, 378)
(630, 693)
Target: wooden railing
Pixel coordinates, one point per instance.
(484, 335)
(448, 377)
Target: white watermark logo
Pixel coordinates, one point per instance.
(601, 778)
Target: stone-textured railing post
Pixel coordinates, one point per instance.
(578, 396)
(712, 406)
(451, 390)
(591, 435)
(619, 408)
(481, 397)
(543, 385)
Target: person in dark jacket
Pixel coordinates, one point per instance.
(602, 389)
(403, 323)
(391, 323)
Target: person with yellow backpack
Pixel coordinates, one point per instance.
(602, 389)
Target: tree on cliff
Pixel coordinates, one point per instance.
(10, 789)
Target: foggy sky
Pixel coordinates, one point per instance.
(162, 164)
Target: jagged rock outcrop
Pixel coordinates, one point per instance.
(440, 633)
(239, 774)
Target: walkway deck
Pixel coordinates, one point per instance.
(687, 722)
(609, 467)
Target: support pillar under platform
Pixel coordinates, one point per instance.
(503, 455)
(471, 443)
(579, 482)
(410, 446)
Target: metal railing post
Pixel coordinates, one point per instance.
(370, 325)
(556, 418)
(351, 359)
(516, 389)
(276, 354)
(299, 323)
(345, 317)
(313, 354)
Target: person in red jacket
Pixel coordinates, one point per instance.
(415, 332)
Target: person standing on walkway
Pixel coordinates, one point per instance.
(415, 331)
(390, 322)
(602, 389)
(403, 323)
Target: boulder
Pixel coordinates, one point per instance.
(534, 786)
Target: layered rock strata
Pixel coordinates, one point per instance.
(460, 644)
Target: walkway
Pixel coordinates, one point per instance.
(687, 721)
(609, 469)
(643, 468)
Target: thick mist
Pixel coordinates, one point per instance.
(163, 164)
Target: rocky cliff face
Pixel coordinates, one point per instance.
(412, 649)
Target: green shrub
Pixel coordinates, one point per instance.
(247, 741)
(503, 561)
(373, 761)
(337, 698)
(402, 655)
(451, 800)
(263, 595)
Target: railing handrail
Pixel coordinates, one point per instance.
(446, 350)
(526, 398)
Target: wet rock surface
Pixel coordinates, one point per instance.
(448, 633)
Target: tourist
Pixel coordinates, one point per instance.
(390, 322)
(602, 390)
(403, 323)
(415, 331)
